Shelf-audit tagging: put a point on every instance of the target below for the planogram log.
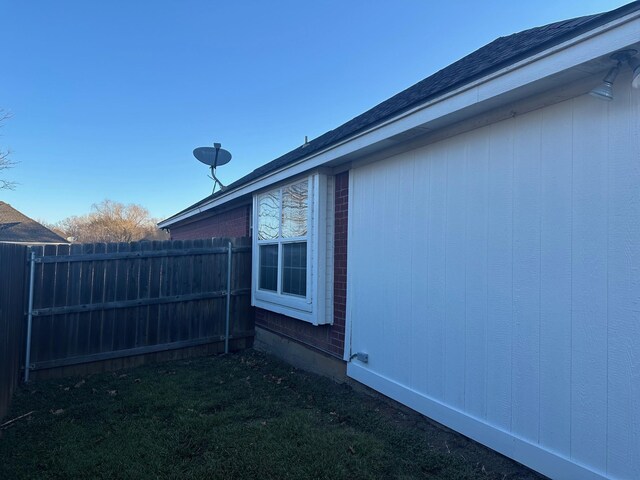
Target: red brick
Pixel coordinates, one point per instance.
(232, 223)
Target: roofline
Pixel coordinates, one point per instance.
(579, 49)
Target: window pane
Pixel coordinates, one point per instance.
(268, 211)
(268, 276)
(295, 199)
(294, 268)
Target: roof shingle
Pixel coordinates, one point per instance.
(17, 227)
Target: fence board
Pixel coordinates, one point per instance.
(121, 278)
(85, 319)
(142, 292)
(109, 295)
(97, 289)
(42, 329)
(60, 299)
(164, 326)
(154, 291)
(196, 275)
(13, 282)
(132, 314)
(73, 296)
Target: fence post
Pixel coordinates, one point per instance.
(27, 360)
(226, 328)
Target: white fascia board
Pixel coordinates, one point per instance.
(591, 45)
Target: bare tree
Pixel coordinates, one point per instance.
(111, 221)
(5, 161)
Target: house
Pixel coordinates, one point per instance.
(15, 227)
(471, 246)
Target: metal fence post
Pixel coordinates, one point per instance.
(226, 328)
(27, 360)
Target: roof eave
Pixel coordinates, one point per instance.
(594, 43)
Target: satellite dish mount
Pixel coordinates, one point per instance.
(214, 157)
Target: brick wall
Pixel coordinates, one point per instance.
(232, 223)
(329, 338)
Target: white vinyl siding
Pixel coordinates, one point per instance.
(503, 299)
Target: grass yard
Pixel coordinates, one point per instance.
(239, 416)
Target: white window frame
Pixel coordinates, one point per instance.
(312, 307)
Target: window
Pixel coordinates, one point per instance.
(290, 249)
(283, 218)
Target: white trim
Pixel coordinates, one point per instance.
(289, 311)
(317, 272)
(591, 45)
(534, 456)
(288, 301)
(329, 249)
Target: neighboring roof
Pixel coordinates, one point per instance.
(17, 227)
(494, 56)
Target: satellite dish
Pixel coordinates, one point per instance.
(214, 157)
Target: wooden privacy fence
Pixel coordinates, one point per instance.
(98, 302)
(12, 325)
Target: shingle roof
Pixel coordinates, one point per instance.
(494, 56)
(17, 227)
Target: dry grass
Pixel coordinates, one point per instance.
(231, 417)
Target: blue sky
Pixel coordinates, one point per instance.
(110, 98)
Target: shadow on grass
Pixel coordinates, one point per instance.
(239, 416)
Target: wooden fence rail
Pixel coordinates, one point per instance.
(108, 302)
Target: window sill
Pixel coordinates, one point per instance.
(310, 315)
